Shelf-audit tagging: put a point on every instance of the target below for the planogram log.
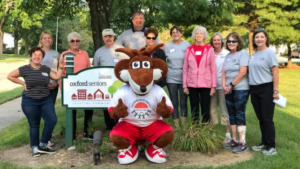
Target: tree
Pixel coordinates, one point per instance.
(280, 18)
(4, 8)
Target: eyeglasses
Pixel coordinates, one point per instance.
(173, 33)
(231, 41)
(77, 40)
(153, 38)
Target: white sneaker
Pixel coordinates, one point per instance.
(227, 140)
(155, 155)
(270, 151)
(129, 155)
(259, 147)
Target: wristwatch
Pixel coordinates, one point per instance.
(275, 91)
(231, 84)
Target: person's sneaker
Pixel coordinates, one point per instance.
(35, 152)
(241, 148)
(226, 143)
(259, 147)
(85, 137)
(231, 145)
(129, 155)
(46, 150)
(155, 155)
(50, 144)
(270, 151)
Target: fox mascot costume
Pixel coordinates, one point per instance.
(140, 106)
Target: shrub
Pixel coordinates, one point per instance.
(202, 137)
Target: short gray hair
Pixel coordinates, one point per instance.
(200, 28)
(70, 36)
(213, 36)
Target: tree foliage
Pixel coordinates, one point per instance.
(281, 19)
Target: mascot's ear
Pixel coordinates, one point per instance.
(121, 70)
(130, 52)
(150, 50)
(159, 64)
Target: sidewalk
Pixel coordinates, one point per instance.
(11, 112)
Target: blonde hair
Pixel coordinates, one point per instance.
(41, 37)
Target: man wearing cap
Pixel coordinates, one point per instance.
(107, 56)
(134, 38)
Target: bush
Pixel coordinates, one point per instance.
(202, 137)
(9, 50)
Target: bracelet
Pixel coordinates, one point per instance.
(231, 84)
(60, 68)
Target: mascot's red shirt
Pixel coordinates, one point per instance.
(141, 109)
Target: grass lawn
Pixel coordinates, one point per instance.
(11, 94)
(6, 58)
(286, 121)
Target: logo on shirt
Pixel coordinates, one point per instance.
(262, 59)
(141, 109)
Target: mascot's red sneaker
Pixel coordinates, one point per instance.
(155, 155)
(129, 155)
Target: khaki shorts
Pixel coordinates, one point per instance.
(218, 99)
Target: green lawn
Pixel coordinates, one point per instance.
(286, 120)
(11, 94)
(6, 58)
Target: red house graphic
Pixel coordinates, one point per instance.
(107, 96)
(98, 95)
(81, 94)
(90, 97)
(74, 97)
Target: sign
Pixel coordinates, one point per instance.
(90, 88)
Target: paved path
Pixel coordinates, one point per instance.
(11, 112)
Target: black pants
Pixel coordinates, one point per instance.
(195, 94)
(109, 122)
(53, 95)
(88, 115)
(262, 101)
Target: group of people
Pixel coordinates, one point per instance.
(206, 73)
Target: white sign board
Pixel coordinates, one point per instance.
(90, 88)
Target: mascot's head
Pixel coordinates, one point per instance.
(140, 71)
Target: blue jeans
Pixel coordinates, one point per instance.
(173, 92)
(34, 110)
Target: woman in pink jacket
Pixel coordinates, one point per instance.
(199, 74)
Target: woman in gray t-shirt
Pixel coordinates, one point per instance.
(236, 89)
(263, 80)
(175, 52)
(50, 60)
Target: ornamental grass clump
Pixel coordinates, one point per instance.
(201, 137)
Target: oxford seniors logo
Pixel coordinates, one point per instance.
(141, 109)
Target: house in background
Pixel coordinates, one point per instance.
(8, 41)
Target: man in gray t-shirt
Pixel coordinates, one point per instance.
(260, 65)
(134, 38)
(232, 65)
(107, 56)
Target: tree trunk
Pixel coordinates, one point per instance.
(16, 44)
(100, 12)
(26, 46)
(7, 5)
(253, 26)
(1, 41)
(289, 64)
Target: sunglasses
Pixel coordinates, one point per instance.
(77, 40)
(231, 41)
(153, 38)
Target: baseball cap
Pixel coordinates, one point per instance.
(106, 32)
